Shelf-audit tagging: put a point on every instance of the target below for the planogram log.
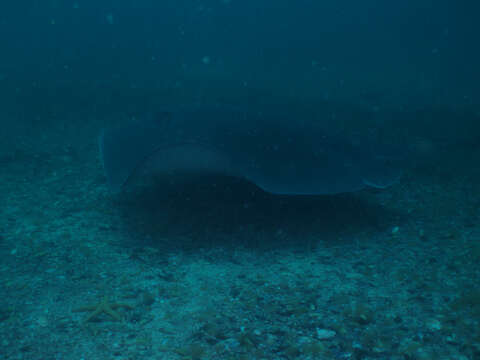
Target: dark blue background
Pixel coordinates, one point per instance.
(85, 54)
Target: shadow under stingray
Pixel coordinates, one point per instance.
(213, 211)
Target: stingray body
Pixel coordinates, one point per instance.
(276, 151)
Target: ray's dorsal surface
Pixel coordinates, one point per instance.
(278, 152)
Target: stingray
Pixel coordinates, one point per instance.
(281, 153)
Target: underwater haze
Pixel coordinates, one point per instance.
(91, 53)
(239, 179)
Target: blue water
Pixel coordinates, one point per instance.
(410, 53)
(213, 267)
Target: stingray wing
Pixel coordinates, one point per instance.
(277, 154)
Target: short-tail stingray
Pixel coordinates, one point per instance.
(279, 153)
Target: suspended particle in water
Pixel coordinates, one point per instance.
(110, 19)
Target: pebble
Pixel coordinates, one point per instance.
(324, 334)
(433, 325)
